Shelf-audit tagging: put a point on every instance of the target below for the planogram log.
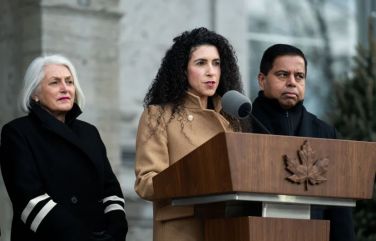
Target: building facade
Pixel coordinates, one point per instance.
(117, 47)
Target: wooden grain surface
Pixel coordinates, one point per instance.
(266, 229)
(240, 162)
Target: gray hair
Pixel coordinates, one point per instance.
(35, 74)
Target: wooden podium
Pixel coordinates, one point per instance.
(240, 169)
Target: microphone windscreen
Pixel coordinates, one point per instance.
(236, 104)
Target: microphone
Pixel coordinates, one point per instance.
(236, 104)
(240, 106)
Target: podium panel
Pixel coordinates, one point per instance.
(256, 163)
(266, 229)
(287, 174)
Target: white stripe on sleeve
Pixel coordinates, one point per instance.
(30, 206)
(113, 207)
(113, 198)
(42, 214)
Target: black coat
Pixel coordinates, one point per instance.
(59, 179)
(297, 121)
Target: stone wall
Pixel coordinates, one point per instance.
(17, 43)
(88, 35)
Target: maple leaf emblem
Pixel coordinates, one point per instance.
(307, 169)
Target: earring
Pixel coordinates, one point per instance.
(36, 99)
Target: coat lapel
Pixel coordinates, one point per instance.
(62, 129)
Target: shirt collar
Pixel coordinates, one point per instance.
(193, 101)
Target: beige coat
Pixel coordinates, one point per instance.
(155, 152)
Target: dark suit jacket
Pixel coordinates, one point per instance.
(299, 122)
(59, 179)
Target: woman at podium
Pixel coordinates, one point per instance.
(182, 111)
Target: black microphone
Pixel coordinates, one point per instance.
(236, 104)
(240, 106)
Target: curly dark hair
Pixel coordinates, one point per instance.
(171, 82)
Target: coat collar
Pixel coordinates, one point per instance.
(271, 114)
(52, 124)
(67, 130)
(276, 119)
(192, 101)
(37, 110)
(273, 105)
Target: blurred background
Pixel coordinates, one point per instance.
(117, 47)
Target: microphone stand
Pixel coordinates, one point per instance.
(266, 131)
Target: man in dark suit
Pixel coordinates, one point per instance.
(279, 107)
